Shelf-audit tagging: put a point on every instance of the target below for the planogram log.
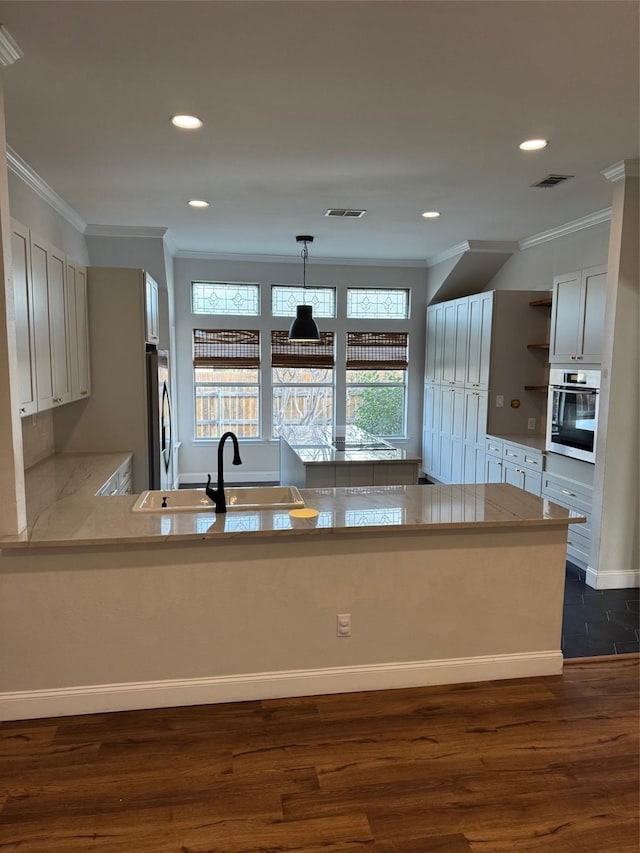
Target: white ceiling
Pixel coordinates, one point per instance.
(396, 107)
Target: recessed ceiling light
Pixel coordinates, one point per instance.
(198, 202)
(533, 144)
(431, 214)
(186, 122)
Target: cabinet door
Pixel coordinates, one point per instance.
(449, 343)
(475, 417)
(59, 337)
(460, 353)
(82, 320)
(41, 330)
(565, 318)
(433, 351)
(78, 324)
(152, 326)
(493, 469)
(457, 464)
(25, 338)
(479, 340)
(512, 474)
(593, 285)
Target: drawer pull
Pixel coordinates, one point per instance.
(567, 492)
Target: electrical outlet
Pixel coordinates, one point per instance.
(499, 401)
(531, 423)
(344, 624)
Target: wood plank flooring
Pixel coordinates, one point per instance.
(540, 764)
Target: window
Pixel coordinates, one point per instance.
(376, 303)
(226, 365)
(377, 381)
(285, 298)
(302, 377)
(223, 297)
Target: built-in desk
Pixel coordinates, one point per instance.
(326, 457)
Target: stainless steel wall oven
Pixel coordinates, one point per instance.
(572, 413)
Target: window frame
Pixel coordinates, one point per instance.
(255, 286)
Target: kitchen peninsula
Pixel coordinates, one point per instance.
(105, 609)
(320, 457)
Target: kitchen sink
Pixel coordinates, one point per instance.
(241, 498)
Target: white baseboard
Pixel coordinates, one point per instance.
(233, 476)
(612, 580)
(101, 698)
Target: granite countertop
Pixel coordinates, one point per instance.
(64, 511)
(338, 445)
(535, 442)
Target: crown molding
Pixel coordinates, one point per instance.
(94, 230)
(183, 254)
(596, 218)
(33, 180)
(487, 246)
(620, 170)
(9, 50)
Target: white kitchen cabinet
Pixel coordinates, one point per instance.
(53, 385)
(454, 342)
(25, 332)
(577, 497)
(486, 334)
(434, 343)
(479, 337)
(152, 320)
(517, 464)
(577, 316)
(119, 483)
(78, 324)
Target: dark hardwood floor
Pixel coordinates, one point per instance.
(541, 764)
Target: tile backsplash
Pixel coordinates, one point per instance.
(37, 438)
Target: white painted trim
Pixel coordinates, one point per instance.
(9, 50)
(447, 254)
(125, 231)
(612, 580)
(568, 228)
(102, 698)
(33, 180)
(288, 259)
(622, 169)
(237, 477)
(486, 246)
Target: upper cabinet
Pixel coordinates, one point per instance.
(25, 332)
(152, 320)
(577, 316)
(78, 324)
(51, 324)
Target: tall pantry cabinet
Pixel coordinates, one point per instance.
(477, 364)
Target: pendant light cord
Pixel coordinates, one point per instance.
(304, 254)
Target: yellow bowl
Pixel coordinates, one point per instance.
(305, 517)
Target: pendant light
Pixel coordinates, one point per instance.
(304, 328)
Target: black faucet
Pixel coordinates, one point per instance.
(217, 495)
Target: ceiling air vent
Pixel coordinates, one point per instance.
(345, 213)
(552, 180)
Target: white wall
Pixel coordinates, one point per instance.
(31, 210)
(534, 268)
(260, 457)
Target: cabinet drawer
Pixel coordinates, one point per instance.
(578, 546)
(567, 493)
(521, 455)
(494, 446)
(110, 487)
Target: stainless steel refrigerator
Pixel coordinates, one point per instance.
(160, 443)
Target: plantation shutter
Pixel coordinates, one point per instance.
(226, 348)
(377, 350)
(286, 353)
